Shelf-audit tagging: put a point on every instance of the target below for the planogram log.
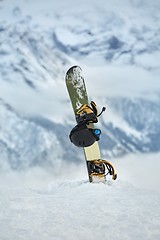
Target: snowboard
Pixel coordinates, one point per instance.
(96, 167)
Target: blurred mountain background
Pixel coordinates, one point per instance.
(116, 43)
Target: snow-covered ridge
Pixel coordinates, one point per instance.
(134, 123)
(125, 32)
(24, 144)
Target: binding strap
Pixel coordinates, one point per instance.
(94, 108)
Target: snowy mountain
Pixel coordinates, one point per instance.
(117, 45)
(44, 188)
(20, 139)
(136, 127)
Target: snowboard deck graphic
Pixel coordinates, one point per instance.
(78, 95)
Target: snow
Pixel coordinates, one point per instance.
(117, 45)
(66, 206)
(79, 210)
(22, 138)
(141, 170)
(87, 29)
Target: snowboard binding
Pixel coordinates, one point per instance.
(83, 134)
(100, 169)
(88, 114)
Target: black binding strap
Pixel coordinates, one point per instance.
(103, 109)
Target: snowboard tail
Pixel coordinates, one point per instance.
(100, 168)
(86, 115)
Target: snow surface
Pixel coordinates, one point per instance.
(78, 210)
(39, 205)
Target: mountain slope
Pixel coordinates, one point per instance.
(117, 45)
(20, 139)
